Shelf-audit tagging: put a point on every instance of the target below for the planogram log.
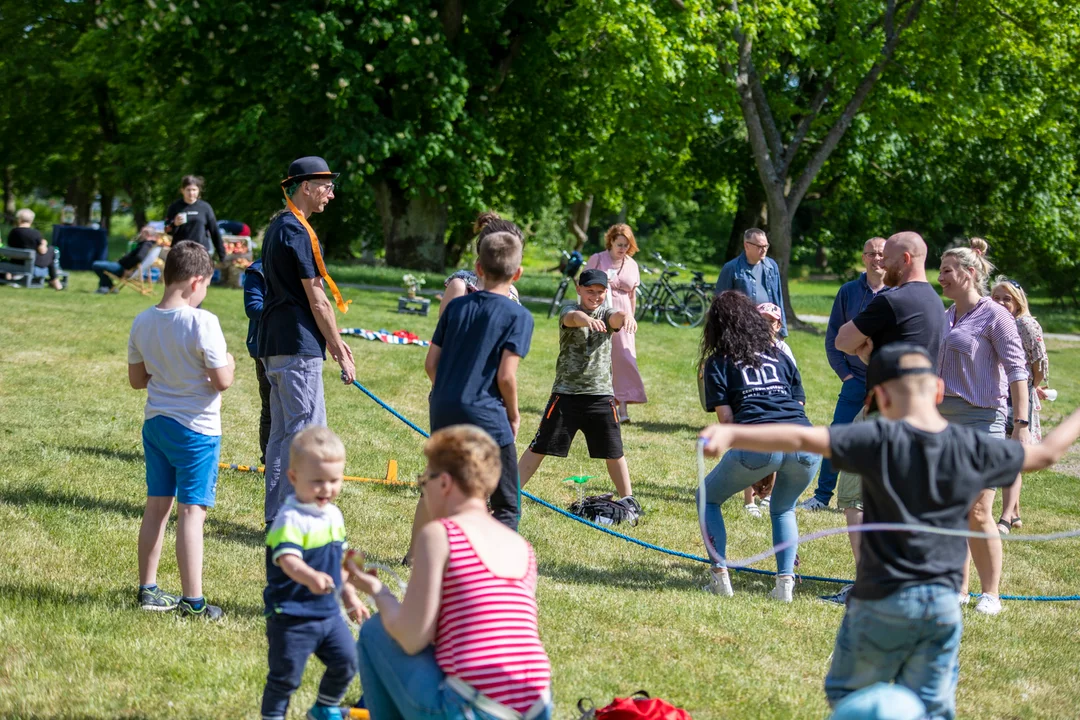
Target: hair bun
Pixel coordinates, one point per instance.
(979, 246)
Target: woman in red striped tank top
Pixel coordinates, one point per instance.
(464, 641)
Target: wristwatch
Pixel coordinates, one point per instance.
(1021, 423)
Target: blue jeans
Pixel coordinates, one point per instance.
(296, 401)
(291, 641)
(848, 404)
(912, 638)
(738, 470)
(398, 686)
(103, 266)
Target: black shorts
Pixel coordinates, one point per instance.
(594, 415)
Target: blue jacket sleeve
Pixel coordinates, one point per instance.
(727, 275)
(254, 290)
(837, 360)
(778, 297)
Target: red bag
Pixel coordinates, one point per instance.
(639, 706)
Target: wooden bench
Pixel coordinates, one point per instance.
(20, 262)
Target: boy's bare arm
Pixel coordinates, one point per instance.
(222, 378)
(137, 376)
(623, 319)
(766, 438)
(507, 381)
(577, 318)
(300, 572)
(1054, 445)
(431, 362)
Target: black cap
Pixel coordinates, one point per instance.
(885, 364)
(308, 168)
(592, 276)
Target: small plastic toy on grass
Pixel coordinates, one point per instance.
(580, 481)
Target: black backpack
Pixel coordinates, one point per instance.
(603, 510)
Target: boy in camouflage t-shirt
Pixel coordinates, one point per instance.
(581, 398)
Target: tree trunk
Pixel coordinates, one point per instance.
(579, 221)
(9, 195)
(79, 198)
(458, 242)
(752, 212)
(106, 209)
(414, 228)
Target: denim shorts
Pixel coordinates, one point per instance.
(180, 462)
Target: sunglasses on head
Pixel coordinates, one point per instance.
(1015, 284)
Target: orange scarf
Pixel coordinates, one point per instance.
(343, 305)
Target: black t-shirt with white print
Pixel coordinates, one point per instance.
(771, 393)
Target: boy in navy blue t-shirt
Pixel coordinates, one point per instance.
(473, 360)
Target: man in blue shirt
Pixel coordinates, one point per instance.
(297, 325)
(755, 275)
(852, 299)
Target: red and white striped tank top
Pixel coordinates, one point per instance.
(487, 633)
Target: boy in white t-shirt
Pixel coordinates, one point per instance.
(177, 352)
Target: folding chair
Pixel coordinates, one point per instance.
(141, 278)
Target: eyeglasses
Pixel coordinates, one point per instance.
(424, 478)
(759, 247)
(874, 254)
(329, 187)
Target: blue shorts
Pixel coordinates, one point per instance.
(180, 462)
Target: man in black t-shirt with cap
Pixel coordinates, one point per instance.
(297, 326)
(903, 621)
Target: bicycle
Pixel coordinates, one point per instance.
(574, 261)
(682, 305)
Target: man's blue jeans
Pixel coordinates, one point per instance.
(296, 401)
(398, 686)
(103, 266)
(738, 470)
(911, 637)
(848, 403)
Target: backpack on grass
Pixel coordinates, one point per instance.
(638, 706)
(605, 510)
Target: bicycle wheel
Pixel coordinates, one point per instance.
(640, 303)
(556, 302)
(687, 309)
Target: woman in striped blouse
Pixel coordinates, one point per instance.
(981, 359)
(464, 641)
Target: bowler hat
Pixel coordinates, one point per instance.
(308, 168)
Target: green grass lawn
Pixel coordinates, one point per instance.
(615, 617)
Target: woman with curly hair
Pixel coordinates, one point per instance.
(749, 381)
(1011, 296)
(464, 282)
(623, 279)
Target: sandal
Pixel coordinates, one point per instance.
(1004, 526)
(1017, 523)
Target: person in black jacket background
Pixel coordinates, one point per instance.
(148, 237)
(193, 219)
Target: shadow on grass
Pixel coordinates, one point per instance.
(37, 495)
(107, 453)
(629, 577)
(645, 490)
(664, 427)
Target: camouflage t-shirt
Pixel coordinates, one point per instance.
(584, 365)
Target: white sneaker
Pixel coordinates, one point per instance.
(840, 597)
(813, 505)
(785, 588)
(766, 502)
(964, 598)
(752, 510)
(719, 583)
(989, 605)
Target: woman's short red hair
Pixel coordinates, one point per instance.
(624, 230)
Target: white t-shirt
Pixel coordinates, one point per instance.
(178, 345)
(783, 347)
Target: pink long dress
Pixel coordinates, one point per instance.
(625, 378)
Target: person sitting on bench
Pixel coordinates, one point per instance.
(25, 237)
(148, 237)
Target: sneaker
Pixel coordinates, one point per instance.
(324, 712)
(785, 588)
(719, 583)
(963, 598)
(752, 510)
(157, 600)
(206, 612)
(840, 598)
(103, 291)
(813, 505)
(633, 507)
(989, 605)
(766, 501)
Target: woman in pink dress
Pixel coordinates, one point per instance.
(623, 279)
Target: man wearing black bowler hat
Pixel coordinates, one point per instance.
(297, 325)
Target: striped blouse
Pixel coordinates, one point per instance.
(487, 632)
(981, 355)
